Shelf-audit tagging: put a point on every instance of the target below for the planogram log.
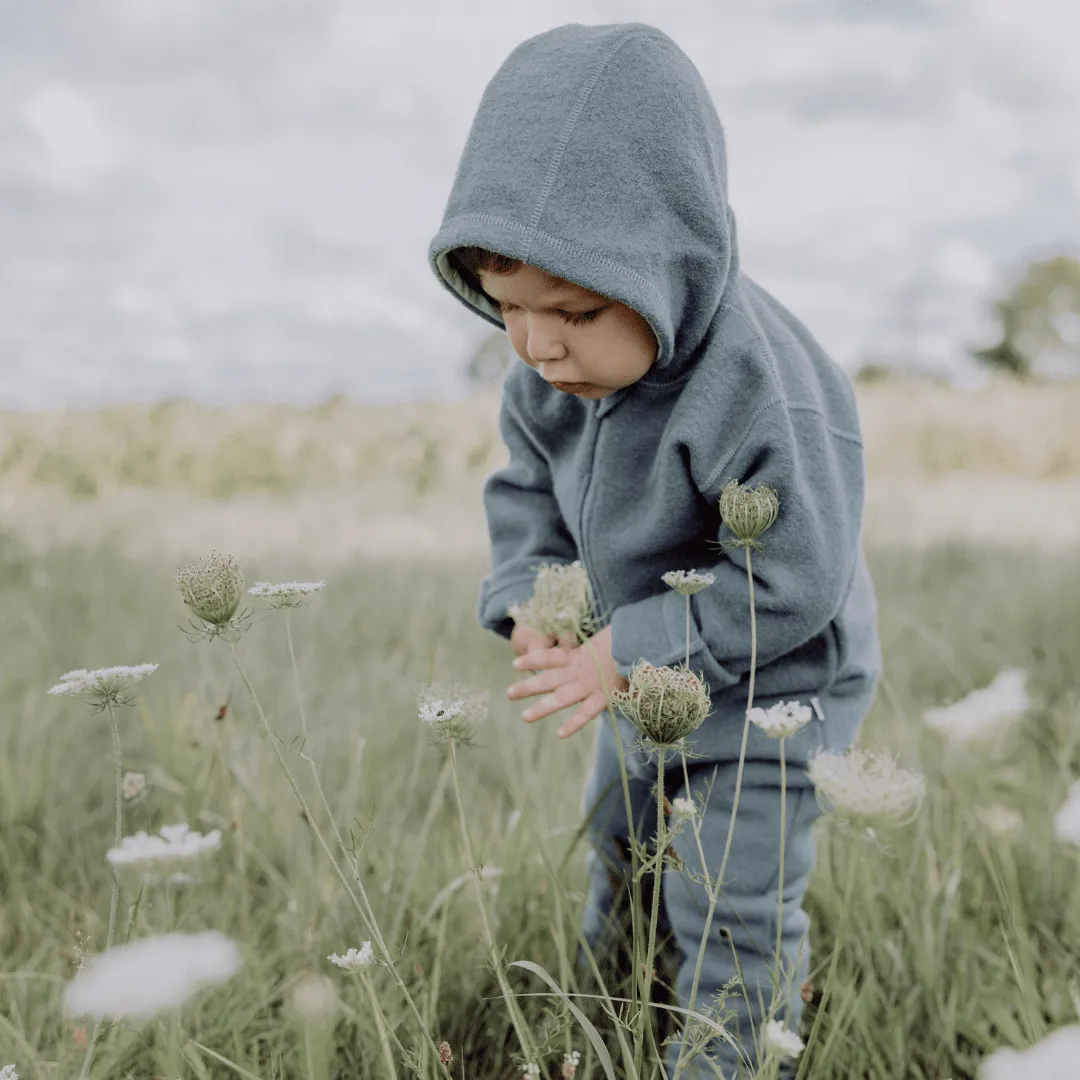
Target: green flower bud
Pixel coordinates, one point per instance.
(665, 704)
(748, 512)
(212, 587)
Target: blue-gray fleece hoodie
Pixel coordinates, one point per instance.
(596, 154)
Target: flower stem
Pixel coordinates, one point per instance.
(687, 598)
(362, 903)
(380, 1026)
(644, 1021)
(783, 838)
(714, 887)
(516, 1018)
(118, 834)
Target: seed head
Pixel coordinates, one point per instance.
(103, 686)
(867, 788)
(213, 588)
(561, 603)
(688, 582)
(782, 719)
(451, 712)
(748, 512)
(781, 1041)
(664, 704)
(287, 594)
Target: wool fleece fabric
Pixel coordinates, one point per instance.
(613, 175)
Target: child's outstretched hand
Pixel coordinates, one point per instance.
(569, 676)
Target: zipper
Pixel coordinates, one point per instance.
(586, 488)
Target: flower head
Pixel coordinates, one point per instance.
(103, 686)
(570, 1064)
(782, 719)
(8, 1073)
(1067, 819)
(688, 582)
(781, 1041)
(147, 976)
(868, 789)
(314, 998)
(451, 712)
(1054, 1058)
(561, 603)
(354, 959)
(683, 810)
(984, 715)
(132, 784)
(664, 704)
(177, 843)
(287, 594)
(446, 1055)
(748, 512)
(213, 588)
(1001, 821)
(532, 1072)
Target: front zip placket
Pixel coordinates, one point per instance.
(586, 488)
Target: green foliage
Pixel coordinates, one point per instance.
(1039, 317)
(956, 942)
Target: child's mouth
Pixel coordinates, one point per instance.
(572, 387)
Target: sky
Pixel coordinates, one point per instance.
(231, 200)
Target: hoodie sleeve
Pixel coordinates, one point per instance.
(801, 573)
(524, 522)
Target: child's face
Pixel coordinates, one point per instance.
(581, 342)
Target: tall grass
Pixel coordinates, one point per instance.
(955, 941)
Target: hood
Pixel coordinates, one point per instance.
(596, 154)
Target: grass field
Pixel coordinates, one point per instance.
(954, 941)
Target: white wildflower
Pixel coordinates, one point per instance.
(314, 998)
(103, 686)
(286, 594)
(683, 810)
(532, 1071)
(1067, 819)
(561, 603)
(665, 704)
(1001, 821)
(354, 959)
(132, 785)
(781, 1041)
(782, 719)
(176, 843)
(868, 789)
(1054, 1058)
(570, 1063)
(451, 712)
(144, 977)
(986, 714)
(8, 1073)
(688, 582)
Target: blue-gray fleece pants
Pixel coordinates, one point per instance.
(744, 924)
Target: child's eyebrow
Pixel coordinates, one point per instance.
(560, 303)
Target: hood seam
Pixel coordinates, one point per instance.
(571, 124)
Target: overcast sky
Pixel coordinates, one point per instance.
(232, 199)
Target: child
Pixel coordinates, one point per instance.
(589, 217)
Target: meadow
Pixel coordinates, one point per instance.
(936, 946)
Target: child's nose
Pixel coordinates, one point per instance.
(544, 346)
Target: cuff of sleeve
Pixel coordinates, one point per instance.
(494, 602)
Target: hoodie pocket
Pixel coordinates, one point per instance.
(809, 669)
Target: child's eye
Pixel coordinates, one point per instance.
(582, 317)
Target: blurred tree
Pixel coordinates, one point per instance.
(1040, 321)
(489, 363)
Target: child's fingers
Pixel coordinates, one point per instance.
(542, 683)
(562, 696)
(540, 659)
(590, 708)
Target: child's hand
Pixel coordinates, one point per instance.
(525, 640)
(569, 676)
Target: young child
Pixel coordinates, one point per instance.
(589, 217)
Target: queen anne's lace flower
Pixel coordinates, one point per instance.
(103, 686)
(451, 712)
(986, 714)
(287, 594)
(1054, 1058)
(561, 603)
(354, 959)
(781, 1041)
(683, 810)
(570, 1064)
(782, 719)
(867, 788)
(177, 843)
(688, 582)
(748, 512)
(1067, 819)
(1001, 821)
(532, 1071)
(212, 587)
(314, 998)
(132, 785)
(8, 1073)
(665, 704)
(144, 977)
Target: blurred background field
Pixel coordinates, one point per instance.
(998, 464)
